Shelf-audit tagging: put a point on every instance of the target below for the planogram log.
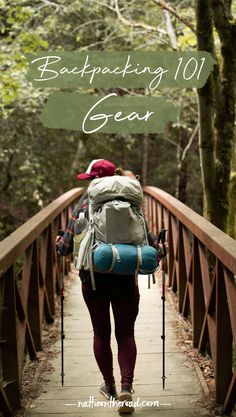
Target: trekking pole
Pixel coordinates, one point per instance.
(62, 270)
(161, 240)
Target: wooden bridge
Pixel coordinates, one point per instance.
(201, 272)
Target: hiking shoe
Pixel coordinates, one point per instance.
(125, 398)
(109, 392)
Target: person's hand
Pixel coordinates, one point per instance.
(166, 244)
(162, 249)
(59, 235)
(57, 239)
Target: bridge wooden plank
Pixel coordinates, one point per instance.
(139, 413)
(83, 379)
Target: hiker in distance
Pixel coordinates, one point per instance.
(110, 213)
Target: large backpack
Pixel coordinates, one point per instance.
(117, 229)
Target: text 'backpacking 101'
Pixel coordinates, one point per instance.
(116, 238)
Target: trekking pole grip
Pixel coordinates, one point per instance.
(162, 239)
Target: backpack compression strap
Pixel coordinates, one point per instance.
(139, 263)
(115, 256)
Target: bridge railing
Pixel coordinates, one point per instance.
(29, 281)
(201, 271)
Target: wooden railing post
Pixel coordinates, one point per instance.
(34, 315)
(46, 275)
(198, 296)
(49, 276)
(6, 408)
(223, 366)
(181, 269)
(170, 255)
(10, 359)
(154, 218)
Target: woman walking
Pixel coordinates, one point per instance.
(121, 293)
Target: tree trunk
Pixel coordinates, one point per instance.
(182, 173)
(206, 110)
(225, 110)
(232, 197)
(216, 111)
(145, 159)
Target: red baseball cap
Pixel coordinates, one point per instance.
(98, 168)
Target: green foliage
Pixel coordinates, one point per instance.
(37, 163)
(187, 40)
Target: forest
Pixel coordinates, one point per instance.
(194, 159)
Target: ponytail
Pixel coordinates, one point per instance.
(119, 171)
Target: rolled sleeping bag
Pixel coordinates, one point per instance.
(124, 259)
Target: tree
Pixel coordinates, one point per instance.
(217, 106)
(216, 102)
(39, 163)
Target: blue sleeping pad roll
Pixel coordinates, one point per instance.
(122, 259)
